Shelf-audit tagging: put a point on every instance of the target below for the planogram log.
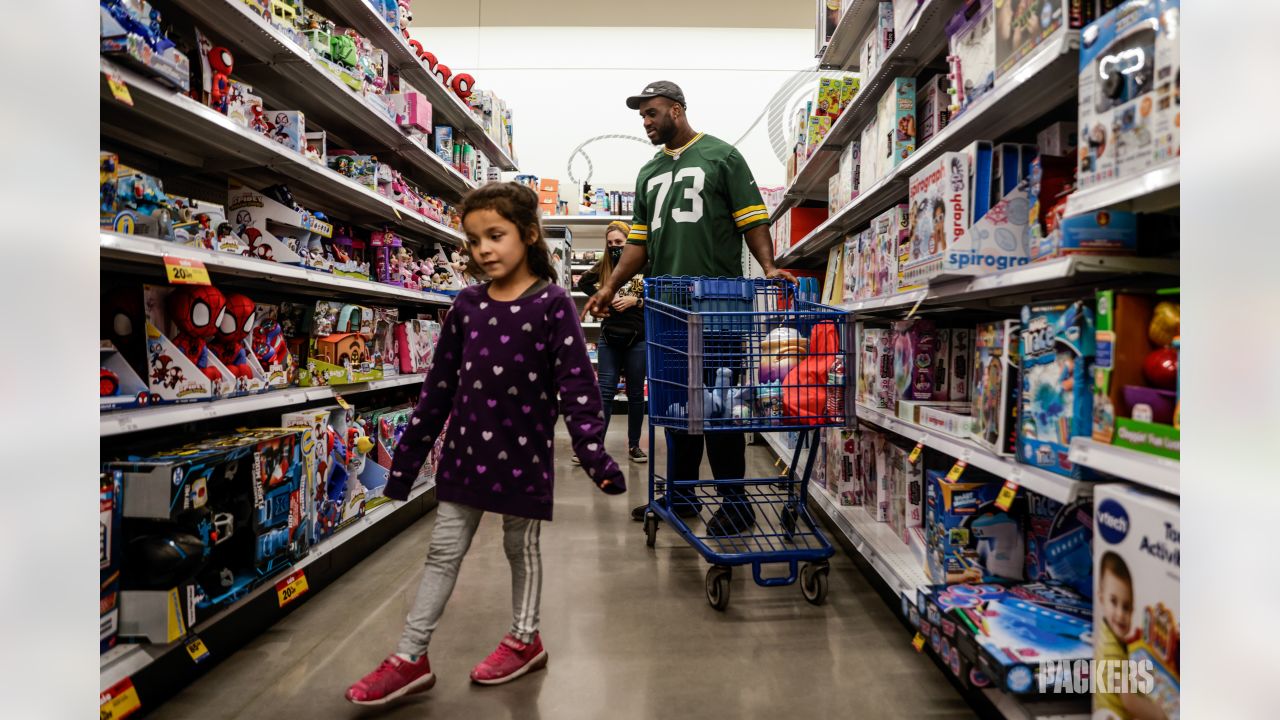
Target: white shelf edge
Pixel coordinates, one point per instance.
(774, 440)
(118, 422)
(153, 250)
(891, 558)
(1118, 192)
(1051, 485)
(127, 659)
(848, 31)
(1026, 72)
(1153, 471)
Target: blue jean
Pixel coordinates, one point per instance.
(630, 361)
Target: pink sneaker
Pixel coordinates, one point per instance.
(395, 677)
(511, 660)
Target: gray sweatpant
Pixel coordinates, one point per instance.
(455, 527)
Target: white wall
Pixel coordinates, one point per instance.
(568, 84)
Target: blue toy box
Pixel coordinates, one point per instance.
(1060, 542)
(1057, 350)
(967, 537)
(1102, 232)
(110, 490)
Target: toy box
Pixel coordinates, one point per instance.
(385, 427)
(273, 230)
(312, 427)
(1101, 232)
(348, 451)
(907, 499)
(110, 505)
(338, 352)
(1060, 542)
(799, 222)
(416, 340)
(960, 360)
(129, 31)
(829, 97)
(414, 110)
(874, 475)
(996, 385)
(969, 537)
(1021, 25)
(971, 34)
(903, 12)
(1130, 91)
(120, 386)
(956, 422)
(849, 87)
(1049, 178)
(851, 264)
(268, 346)
(912, 411)
(915, 347)
(442, 138)
(896, 120)
(870, 154)
(1135, 377)
(848, 488)
(885, 35)
(933, 108)
(1137, 577)
(815, 130)
(880, 254)
(875, 367)
(186, 315)
(243, 106)
(850, 171)
(1059, 139)
(939, 197)
(1056, 346)
(289, 128)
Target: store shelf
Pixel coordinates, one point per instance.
(892, 560)
(446, 107)
(1156, 189)
(584, 219)
(1153, 471)
(152, 252)
(919, 43)
(587, 325)
(1015, 285)
(1043, 81)
(158, 416)
(775, 442)
(1042, 482)
(287, 77)
(842, 51)
(177, 127)
(129, 659)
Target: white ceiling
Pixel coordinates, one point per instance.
(637, 13)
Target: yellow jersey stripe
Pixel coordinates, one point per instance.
(748, 210)
(637, 236)
(678, 151)
(638, 226)
(753, 217)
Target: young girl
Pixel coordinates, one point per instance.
(511, 356)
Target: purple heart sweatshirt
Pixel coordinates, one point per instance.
(505, 370)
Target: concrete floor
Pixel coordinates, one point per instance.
(628, 630)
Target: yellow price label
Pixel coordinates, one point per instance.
(1007, 493)
(182, 271)
(917, 642)
(197, 650)
(395, 210)
(956, 471)
(292, 587)
(914, 457)
(119, 89)
(342, 403)
(118, 701)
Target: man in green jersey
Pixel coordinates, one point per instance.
(696, 202)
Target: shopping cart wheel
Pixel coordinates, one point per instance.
(813, 582)
(789, 517)
(650, 528)
(718, 577)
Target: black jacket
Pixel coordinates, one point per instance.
(617, 323)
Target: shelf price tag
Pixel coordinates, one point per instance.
(917, 642)
(914, 457)
(118, 701)
(1007, 493)
(342, 403)
(197, 650)
(118, 88)
(956, 471)
(397, 212)
(183, 271)
(292, 587)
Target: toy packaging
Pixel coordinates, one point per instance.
(871, 153)
(416, 341)
(273, 230)
(915, 347)
(960, 359)
(896, 120)
(848, 488)
(312, 427)
(996, 385)
(1060, 542)
(937, 217)
(912, 411)
(1050, 177)
(289, 128)
(874, 475)
(956, 422)
(384, 427)
(181, 320)
(1057, 351)
(1021, 25)
(850, 171)
(1101, 232)
(971, 34)
(829, 94)
(933, 108)
(130, 31)
(903, 12)
(849, 87)
(875, 367)
(1130, 91)
(1059, 139)
(120, 386)
(443, 143)
(969, 537)
(110, 504)
(816, 130)
(906, 511)
(1135, 377)
(338, 352)
(1136, 575)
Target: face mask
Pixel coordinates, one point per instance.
(615, 254)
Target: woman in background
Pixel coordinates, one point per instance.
(621, 349)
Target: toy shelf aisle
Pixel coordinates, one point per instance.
(1015, 292)
(278, 243)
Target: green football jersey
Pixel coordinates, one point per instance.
(692, 207)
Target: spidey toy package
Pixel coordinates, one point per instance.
(180, 323)
(232, 345)
(1057, 349)
(270, 349)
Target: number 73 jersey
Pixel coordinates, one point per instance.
(692, 207)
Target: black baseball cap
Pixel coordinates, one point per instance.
(661, 88)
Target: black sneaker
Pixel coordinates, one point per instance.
(732, 518)
(636, 455)
(684, 509)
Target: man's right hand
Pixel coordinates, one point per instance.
(599, 304)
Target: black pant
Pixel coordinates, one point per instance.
(726, 450)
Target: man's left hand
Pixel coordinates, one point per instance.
(624, 302)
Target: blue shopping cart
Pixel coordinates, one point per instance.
(746, 355)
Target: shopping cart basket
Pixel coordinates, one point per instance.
(746, 355)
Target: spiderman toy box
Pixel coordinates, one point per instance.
(181, 322)
(312, 426)
(273, 231)
(1056, 346)
(270, 348)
